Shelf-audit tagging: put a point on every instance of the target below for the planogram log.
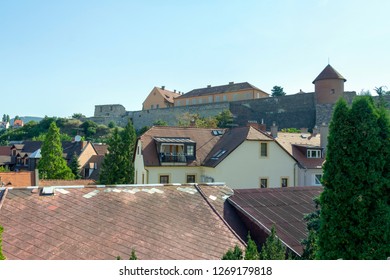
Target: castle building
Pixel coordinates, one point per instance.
(329, 86)
(225, 93)
(160, 98)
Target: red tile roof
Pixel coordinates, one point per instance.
(329, 73)
(168, 95)
(282, 207)
(170, 222)
(204, 138)
(5, 150)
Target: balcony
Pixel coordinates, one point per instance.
(172, 159)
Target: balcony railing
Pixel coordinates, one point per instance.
(168, 157)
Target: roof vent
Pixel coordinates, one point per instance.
(231, 83)
(209, 86)
(174, 90)
(47, 191)
(162, 87)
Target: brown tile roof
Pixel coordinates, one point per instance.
(101, 149)
(170, 222)
(296, 145)
(204, 138)
(329, 73)
(231, 139)
(219, 89)
(282, 207)
(168, 95)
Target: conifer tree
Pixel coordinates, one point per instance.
(233, 254)
(251, 252)
(133, 256)
(128, 136)
(273, 249)
(52, 165)
(2, 257)
(355, 211)
(112, 169)
(75, 166)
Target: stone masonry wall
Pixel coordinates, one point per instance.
(287, 111)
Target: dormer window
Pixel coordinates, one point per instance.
(313, 153)
(175, 150)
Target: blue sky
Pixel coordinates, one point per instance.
(62, 57)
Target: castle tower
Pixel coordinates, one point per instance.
(328, 86)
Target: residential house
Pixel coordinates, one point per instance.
(189, 155)
(309, 151)
(26, 156)
(89, 223)
(225, 93)
(159, 98)
(18, 123)
(5, 156)
(284, 208)
(4, 125)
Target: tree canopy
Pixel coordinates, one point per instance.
(117, 167)
(355, 209)
(52, 165)
(2, 257)
(277, 91)
(273, 249)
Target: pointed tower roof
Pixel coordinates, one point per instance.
(329, 73)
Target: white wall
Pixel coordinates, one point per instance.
(306, 177)
(177, 174)
(244, 167)
(139, 168)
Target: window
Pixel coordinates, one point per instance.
(151, 106)
(263, 183)
(194, 101)
(210, 99)
(191, 178)
(284, 182)
(178, 103)
(224, 97)
(217, 98)
(317, 179)
(157, 106)
(235, 97)
(138, 150)
(164, 179)
(190, 151)
(187, 102)
(263, 149)
(143, 178)
(313, 153)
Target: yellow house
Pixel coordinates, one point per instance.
(225, 93)
(242, 157)
(159, 98)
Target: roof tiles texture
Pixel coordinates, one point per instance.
(283, 207)
(169, 222)
(329, 73)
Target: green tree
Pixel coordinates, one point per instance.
(89, 128)
(78, 116)
(52, 165)
(2, 257)
(355, 209)
(277, 91)
(111, 124)
(224, 119)
(251, 252)
(16, 118)
(381, 90)
(75, 166)
(233, 254)
(273, 249)
(310, 244)
(112, 171)
(160, 123)
(128, 137)
(133, 256)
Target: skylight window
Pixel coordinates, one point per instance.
(217, 132)
(218, 154)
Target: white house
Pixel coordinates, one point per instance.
(242, 157)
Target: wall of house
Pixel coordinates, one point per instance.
(177, 174)
(86, 154)
(306, 177)
(328, 91)
(222, 97)
(278, 164)
(17, 179)
(140, 174)
(154, 98)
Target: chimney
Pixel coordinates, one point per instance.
(174, 90)
(231, 83)
(253, 124)
(208, 86)
(274, 130)
(324, 132)
(162, 87)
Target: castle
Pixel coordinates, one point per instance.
(246, 102)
